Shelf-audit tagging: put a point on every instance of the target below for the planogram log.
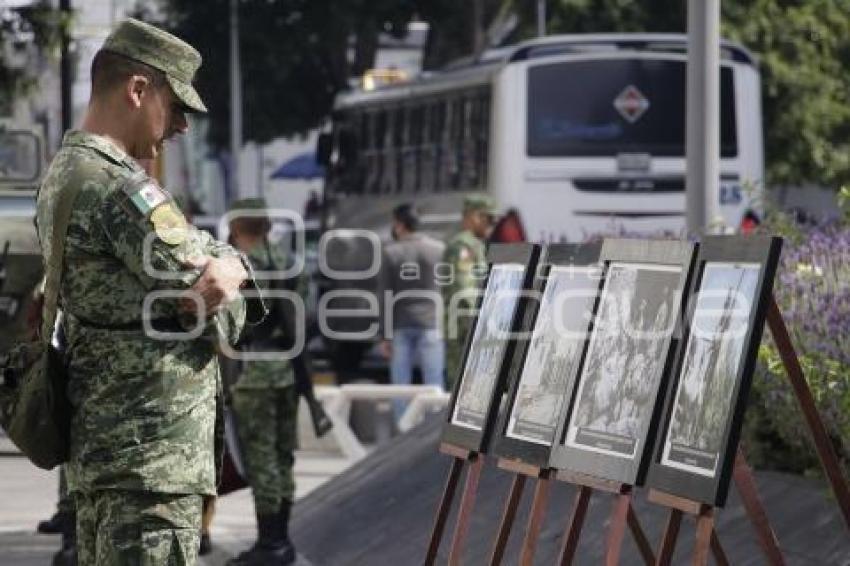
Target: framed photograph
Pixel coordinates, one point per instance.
(547, 356)
(628, 354)
(705, 404)
(489, 347)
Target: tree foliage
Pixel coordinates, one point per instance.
(454, 26)
(296, 57)
(804, 47)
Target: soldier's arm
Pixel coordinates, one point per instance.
(173, 260)
(132, 237)
(384, 283)
(462, 258)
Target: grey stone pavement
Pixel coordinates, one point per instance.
(28, 495)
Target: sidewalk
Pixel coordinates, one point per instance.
(28, 495)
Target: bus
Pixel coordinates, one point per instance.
(579, 134)
(575, 135)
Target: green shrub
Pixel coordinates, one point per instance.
(812, 289)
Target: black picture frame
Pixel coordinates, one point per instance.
(523, 439)
(713, 420)
(471, 417)
(613, 440)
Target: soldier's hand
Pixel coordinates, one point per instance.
(217, 286)
(387, 349)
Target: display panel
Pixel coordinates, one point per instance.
(501, 305)
(554, 351)
(488, 345)
(712, 360)
(697, 442)
(625, 358)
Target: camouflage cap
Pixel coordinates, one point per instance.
(483, 203)
(161, 50)
(255, 203)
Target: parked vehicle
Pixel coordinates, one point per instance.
(21, 167)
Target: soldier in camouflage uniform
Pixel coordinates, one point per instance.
(265, 401)
(465, 253)
(144, 422)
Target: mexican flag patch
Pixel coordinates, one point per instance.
(148, 197)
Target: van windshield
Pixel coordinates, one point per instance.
(607, 107)
(19, 157)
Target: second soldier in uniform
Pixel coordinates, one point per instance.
(265, 401)
(465, 253)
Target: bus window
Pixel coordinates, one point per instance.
(395, 151)
(456, 130)
(428, 146)
(413, 147)
(384, 150)
(348, 168)
(438, 141)
(365, 135)
(446, 160)
(604, 108)
(367, 154)
(349, 159)
(482, 135)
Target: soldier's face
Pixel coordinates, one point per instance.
(482, 222)
(163, 116)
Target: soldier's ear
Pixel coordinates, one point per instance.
(137, 88)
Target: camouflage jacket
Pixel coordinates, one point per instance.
(465, 253)
(144, 407)
(269, 373)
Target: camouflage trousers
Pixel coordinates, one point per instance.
(454, 352)
(137, 528)
(266, 422)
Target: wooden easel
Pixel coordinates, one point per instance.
(706, 537)
(826, 453)
(622, 515)
(460, 457)
(535, 518)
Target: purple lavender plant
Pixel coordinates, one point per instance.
(813, 291)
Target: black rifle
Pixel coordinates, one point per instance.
(282, 317)
(304, 386)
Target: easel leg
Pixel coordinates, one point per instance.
(617, 528)
(443, 511)
(717, 550)
(535, 519)
(465, 512)
(705, 527)
(826, 452)
(752, 503)
(640, 537)
(668, 540)
(508, 519)
(573, 531)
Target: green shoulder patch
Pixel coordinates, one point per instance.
(144, 193)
